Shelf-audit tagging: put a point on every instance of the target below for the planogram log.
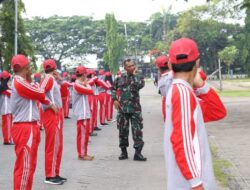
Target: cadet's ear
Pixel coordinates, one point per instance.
(197, 63)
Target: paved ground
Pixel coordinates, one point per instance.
(106, 172)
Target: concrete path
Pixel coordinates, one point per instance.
(106, 172)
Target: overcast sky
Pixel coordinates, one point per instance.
(126, 10)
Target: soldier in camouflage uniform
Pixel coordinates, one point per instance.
(129, 109)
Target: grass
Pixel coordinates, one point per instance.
(220, 168)
(238, 93)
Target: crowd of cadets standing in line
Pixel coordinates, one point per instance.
(29, 106)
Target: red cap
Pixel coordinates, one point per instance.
(183, 50)
(20, 60)
(101, 72)
(73, 76)
(161, 61)
(81, 70)
(49, 64)
(5, 75)
(108, 74)
(37, 75)
(65, 74)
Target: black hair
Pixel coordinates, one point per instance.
(79, 75)
(4, 84)
(126, 61)
(49, 70)
(163, 69)
(110, 79)
(183, 67)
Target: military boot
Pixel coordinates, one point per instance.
(124, 154)
(138, 156)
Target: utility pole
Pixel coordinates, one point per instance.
(16, 27)
(220, 75)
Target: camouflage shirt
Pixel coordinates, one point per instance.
(129, 86)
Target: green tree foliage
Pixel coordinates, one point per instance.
(115, 43)
(228, 55)
(7, 24)
(66, 37)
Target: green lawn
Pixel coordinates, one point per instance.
(220, 167)
(239, 93)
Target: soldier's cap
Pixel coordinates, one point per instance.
(5, 75)
(101, 72)
(161, 61)
(81, 70)
(37, 75)
(108, 74)
(20, 60)
(49, 64)
(183, 50)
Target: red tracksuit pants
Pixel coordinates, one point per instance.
(164, 108)
(26, 137)
(53, 124)
(66, 102)
(6, 128)
(93, 103)
(82, 138)
(102, 103)
(109, 107)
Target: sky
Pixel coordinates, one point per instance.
(125, 10)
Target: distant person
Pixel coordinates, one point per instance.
(156, 79)
(5, 109)
(129, 109)
(53, 123)
(81, 109)
(190, 103)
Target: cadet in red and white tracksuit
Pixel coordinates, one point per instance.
(80, 105)
(166, 78)
(93, 101)
(65, 92)
(53, 124)
(102, 87)
(190, 103)
(109, 101)
(25, 130)
(5, 108)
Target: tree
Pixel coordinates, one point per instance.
(115, 43)
(228, 55)
(7, 39)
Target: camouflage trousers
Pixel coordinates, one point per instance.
(123, 121)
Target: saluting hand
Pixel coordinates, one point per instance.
(198, 82)
(54, 108)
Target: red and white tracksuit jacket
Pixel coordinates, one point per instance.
(109, 103)
(65, 93)
(25, 130)
(6, 116)
(187, 153)
(164, 84)
(53, 124)
(102, 87)
(80, 106)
